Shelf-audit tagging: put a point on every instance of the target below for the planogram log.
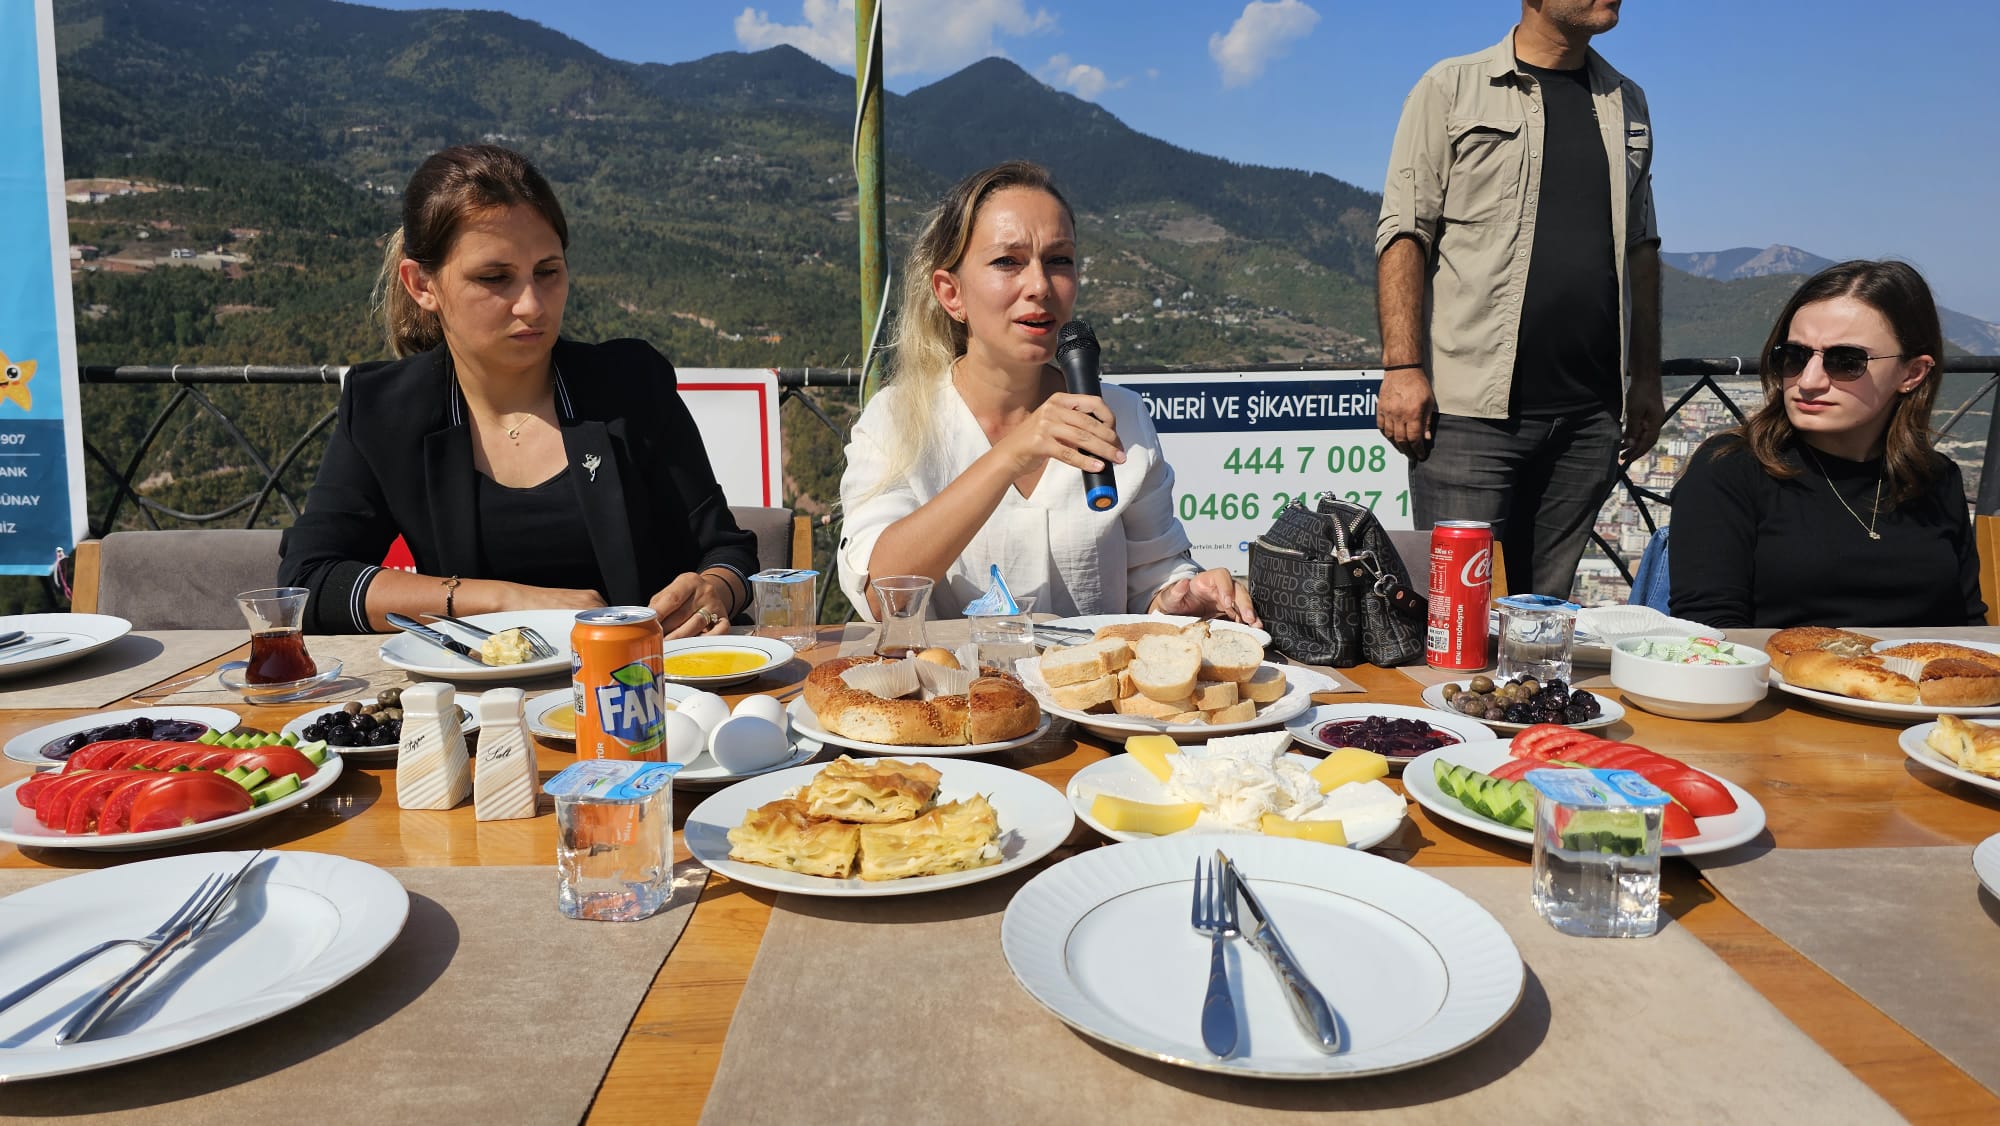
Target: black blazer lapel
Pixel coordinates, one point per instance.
(449, 485)
(600, 493)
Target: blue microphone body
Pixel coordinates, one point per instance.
(1077, 356)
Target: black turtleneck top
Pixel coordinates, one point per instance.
(1749, 549)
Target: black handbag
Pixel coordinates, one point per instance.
(1332, 590)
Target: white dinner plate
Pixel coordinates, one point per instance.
(1099, 621)
(1308, 726)
(299, 924)
(27, 746)
(1912, 741)
(80, 634)
(1034, 819)
(18, 825)
(468, 722)
(703, 772)
(415, 655)
(1122, 776)
(774, 652)
(1413, 969)
(1612, 711)
(1986, 863)
(1870, 709)
(806, 723)
(1300, 684)
(1717, 833)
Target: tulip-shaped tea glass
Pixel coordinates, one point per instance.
(277, 638)
(904, 602)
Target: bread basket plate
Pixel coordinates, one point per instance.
(1094, 622)
(1123, 776)
(1300, 684)
(1613, 711)
(1915, 743)
(1034, 819)
(770, 653)
(1870, 709)
(807, 725)
(1420, 782)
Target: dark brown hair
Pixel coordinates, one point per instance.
(448, 188)
(1898, 292)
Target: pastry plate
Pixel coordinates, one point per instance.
(1300, 684)
(1984, 646)
(1612, 712)
(81, 634)
(1717, 833)
(1913, 742)
(1306, 726)
(27, 746)
(773, 652)
(1095, 622)
(1986, 863)
(1122, 776)
(18, 826)
(300, 924)
(1413, 968)
(1870, 709)
(1034, 819)
(806, 723)
(468, 722)
(420, 657)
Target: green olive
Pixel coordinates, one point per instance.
(1451, 692)
(1482, 684)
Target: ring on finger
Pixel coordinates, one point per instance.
(707, 616)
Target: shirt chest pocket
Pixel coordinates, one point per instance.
(1638, 153)
(1487, 156)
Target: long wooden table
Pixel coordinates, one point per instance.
(1824, 781)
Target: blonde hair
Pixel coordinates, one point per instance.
(927, 339)
(448, 188)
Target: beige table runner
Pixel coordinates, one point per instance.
(363, 673)
(489, 1007)
(136, 661)
(1909, 929)
(1658, 1026)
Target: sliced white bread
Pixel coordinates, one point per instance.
(1263, 686)
(1184, 718)
(1133, 631)
(1230, 654)
(1166, 668)
(1212, 694)
(1089, 661)
(1088, 694)
(1125, 685)
(1197, 630)
(1142, 705)
(1242, 711)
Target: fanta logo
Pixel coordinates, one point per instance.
(1478, 570)
(629, 708)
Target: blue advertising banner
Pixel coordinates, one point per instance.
(41, 435)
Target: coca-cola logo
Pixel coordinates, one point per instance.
(1478, 570)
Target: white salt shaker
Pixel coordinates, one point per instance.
(432, 770)
(504, 785)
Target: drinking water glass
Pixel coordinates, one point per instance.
(614, 838)
(785, 606)
(1597, 852)
(1535, 635)
(1003, 639)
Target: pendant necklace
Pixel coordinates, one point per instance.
(1874, 513)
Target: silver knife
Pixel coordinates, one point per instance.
(418, 629)
(8, 652)
(468, 627)
(1315, 1016)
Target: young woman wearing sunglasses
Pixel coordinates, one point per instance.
(1830, 506)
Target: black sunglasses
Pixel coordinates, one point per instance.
(1841, 361)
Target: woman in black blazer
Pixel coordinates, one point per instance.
(523, 471)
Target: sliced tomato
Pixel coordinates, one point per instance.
(97, 756)
(1543, 739)
(88, 802)
(26, 791)
(277, 759)
(52, 802)
(187, 799)
(1703, 794)
(137, 753)
(213, 760)
(1677, 824)
(116, 816)
(181, 755)
(1514, 769)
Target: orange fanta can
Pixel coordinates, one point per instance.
(615, 681)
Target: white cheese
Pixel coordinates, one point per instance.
(1239, 778)
(504, 785)
(432, 770)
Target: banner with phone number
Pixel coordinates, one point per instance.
(1243, 444)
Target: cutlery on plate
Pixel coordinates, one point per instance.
(537, 644)
(419, 630)
(1315, 1016)
(11, 636)
(118, 992)
(1215, 916)
(28, 646)
(194, 905)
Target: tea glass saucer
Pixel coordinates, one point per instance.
(231, 676)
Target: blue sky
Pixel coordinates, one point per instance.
(1849, 128)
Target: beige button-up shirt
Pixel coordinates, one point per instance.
(1465, 179)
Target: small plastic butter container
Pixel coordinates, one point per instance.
(1597, 851)
(614, 838)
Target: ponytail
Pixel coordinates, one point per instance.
(408, 327)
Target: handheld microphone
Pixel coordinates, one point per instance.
(1077, 357)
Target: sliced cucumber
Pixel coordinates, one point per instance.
(315, 751)
(278, 789)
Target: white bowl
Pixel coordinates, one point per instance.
(1689, 691)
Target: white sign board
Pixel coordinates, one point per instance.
(736, 410)
(1242, 444)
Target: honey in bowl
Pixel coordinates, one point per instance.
(561, 719)
(712, 662)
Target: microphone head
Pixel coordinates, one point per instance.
(1075, 335)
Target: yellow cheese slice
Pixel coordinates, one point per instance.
(1325, 832)
(1126, 816)
(1151, 751)
(1349, 764)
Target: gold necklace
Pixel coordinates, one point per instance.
(1874, 513)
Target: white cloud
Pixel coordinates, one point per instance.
(1264, 31)
(918, 36)
(1081, 79)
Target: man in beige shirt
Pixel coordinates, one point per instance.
(1518, 274)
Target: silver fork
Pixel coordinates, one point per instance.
(1215, 916)
(195, 904)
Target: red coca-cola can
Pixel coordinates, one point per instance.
(1461, 588)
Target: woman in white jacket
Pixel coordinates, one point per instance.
(974, 453)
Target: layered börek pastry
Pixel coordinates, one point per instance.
(872, 791)
(784, 834)
(1973, 746)
(950, 838)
